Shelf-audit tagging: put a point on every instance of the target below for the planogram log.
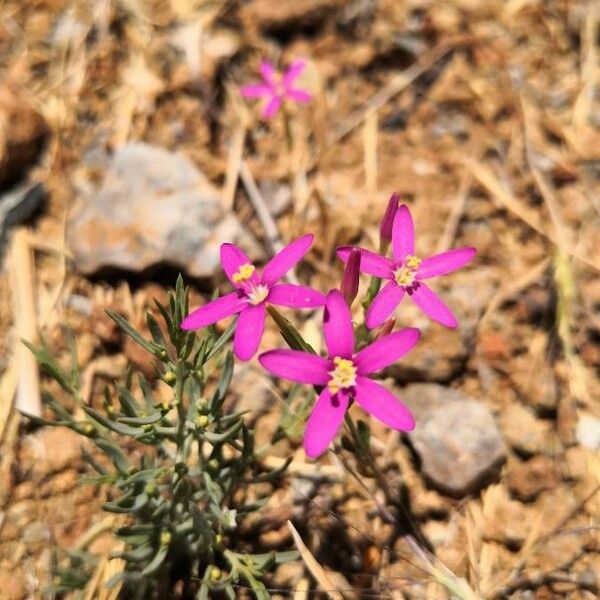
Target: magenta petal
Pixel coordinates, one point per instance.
(446, 262)
(403, 234)
(371, 263)
(214, 311)
(232, 258)
(386, 350)
(324, 422)
(267, 71)
(384, 304)
(249, 330)
(295, 365)
(256, 90)
(293, 72)
(430, 303)
(295, 296)
(337, 326)
(271, 107)
(298, 95)
(286, 258)
(383, 405)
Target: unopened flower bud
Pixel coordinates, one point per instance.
(213, 464)
(386, 328)
(201, 421)
(385, 229)
(215, 573)
(349, 287)
(169, 377)
(165, 538)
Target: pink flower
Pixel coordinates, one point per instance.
(406, 273)
(277, 87)
(343, 375)
(253, 292)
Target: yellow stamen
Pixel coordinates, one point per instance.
(412, 262)
(343, 375)
(404, 276)
(243, 273)
(258, 294)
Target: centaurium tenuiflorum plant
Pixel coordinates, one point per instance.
(172, 468)
(277, 87)
(253, 292)
(405, 273)
(344, 375)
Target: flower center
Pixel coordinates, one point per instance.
(258, 294)
(343, 375)
(406, 274)
(243, 273)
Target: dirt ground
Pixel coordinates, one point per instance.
(484, 116)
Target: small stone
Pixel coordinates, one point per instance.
(588, 432)
(526, 480)
(535, 382)
(49, 450)
(154, 207)
(577, 459)
(523, 431)
(456, 438)
(440, 356)
(12, 584)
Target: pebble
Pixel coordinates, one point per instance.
(456, 438)
(154, 207)
(588, 432)
(523, 431)
(527, 479)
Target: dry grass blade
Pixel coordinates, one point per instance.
(21, 266)
(316, 570)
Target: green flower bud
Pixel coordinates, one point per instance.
(213, 464)
(201, 421)
(169, 377)
(165, 538)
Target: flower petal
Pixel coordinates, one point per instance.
(295, 296)
(383, 405)
(214, 311)
(249, 330)
(371, 263)
(298, 95)
(286, 258)
(431, 304)
(271, 107)
(324, 422)
(293, 71)
(232, 258)
(267, 71)
(403, 234)
(295, 365)
(384, 304)
(386, 350)
(337, 326)
(446, 262)
(256, 90)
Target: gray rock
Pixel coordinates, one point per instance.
(154, 207)
(456, 438)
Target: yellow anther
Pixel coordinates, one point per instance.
(412, 262)
(243, 273)
(404, 276)
(343, 375)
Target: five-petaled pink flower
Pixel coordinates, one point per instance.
(253, 292)
(344, 375)
(406, 273)
(277, 87)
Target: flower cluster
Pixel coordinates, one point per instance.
(343, 376)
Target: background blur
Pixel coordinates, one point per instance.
(483, 115)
